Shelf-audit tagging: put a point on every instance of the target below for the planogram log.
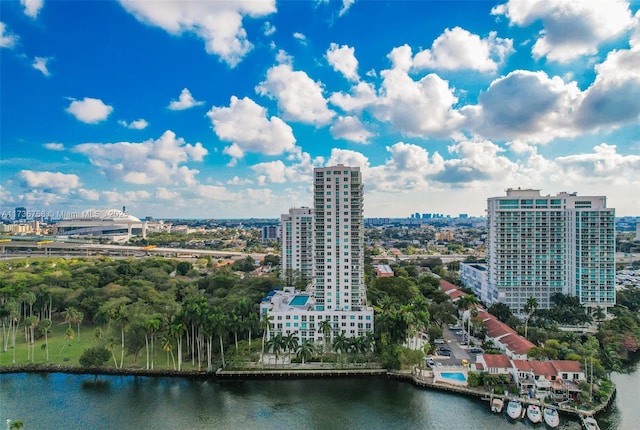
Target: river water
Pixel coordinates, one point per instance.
(61, 401)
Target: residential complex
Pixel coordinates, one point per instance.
(326, 244)
(297, 246)
(339, 239)
(541, 245)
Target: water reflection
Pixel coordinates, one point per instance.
(81, 401)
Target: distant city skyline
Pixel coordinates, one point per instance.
(223, 109)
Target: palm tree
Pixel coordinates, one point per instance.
(167, 346)
(275, 344)
(251, 322)
(530, 308)
(45, 324)
(121, 315)
(220, 327)
(16, 425)
(235, 324)
(151, 326)
(291, 342)
(326, 328)
(340, 343)
(265, 324)
(464, 303)
(305, 350)
(78, 320)
(31, 322)
(67, 314)
(177, 331)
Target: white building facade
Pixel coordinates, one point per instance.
(541, 245)
(339, 239)
(474, 276)
(337, 292)
(291, 311)
(296, 233)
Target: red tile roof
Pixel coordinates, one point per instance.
(516, 344)
(569, 366)
(497, 361)
(447, 286)
(548, 368)
(504, 334)
(456, 294)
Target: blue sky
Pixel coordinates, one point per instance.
(222, 109)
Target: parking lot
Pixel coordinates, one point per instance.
(450, 351)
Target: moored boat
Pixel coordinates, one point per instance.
(534, 414)
(590, 423)
(551, 417)
(496, 405)
(514, 409)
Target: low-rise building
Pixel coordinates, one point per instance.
(383, 271)
(495, 364)
(291, 311)
(504, 337)
(557, 379)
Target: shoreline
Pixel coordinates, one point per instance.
(257, 374)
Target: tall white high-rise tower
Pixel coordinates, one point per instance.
(339, 239)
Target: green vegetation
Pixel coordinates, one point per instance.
(139, 310)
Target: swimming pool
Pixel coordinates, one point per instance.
(454, 376)
(299, 300)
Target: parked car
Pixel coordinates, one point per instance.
(445, 353)
(476, 350)
(439, 341)
(430, 362)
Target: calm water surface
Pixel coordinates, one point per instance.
(60, 401)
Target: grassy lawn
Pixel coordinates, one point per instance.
(65, 352)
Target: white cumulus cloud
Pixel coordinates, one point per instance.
(218, 23)
(7, 40)
(159, 161)
(346, 5)
(40, 64)
(525, 105)
(185, 101)
(570, 28)
(350, 128)
(343, 60)
(612, 99)
(85, 194)
(32, 7)
(299, 97)
(89, 110)
(245, 124)
(458, 49)
(138, 124)
(52, 146)
(61, 182)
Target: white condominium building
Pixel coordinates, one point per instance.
(328, 243)
(540, 245)
(296, 231)
(339, 239)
